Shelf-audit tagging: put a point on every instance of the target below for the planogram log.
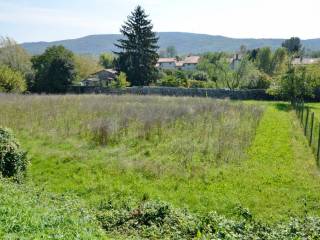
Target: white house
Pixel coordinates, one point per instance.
(166, 63)
(189, 63)
(305, 61)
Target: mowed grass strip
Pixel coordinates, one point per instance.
(281, 178)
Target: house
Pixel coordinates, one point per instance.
(166, 63)
(188, 64)
(235, 61)
(305, 61)
(102, 78)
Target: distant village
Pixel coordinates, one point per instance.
(104, 77)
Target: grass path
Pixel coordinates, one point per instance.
(281, 178)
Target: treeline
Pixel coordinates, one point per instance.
(51, 72)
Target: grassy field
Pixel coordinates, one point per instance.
(29, 213)
(200, 154)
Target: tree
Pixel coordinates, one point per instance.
(85, 65)
(107, 60)
(279, 61)
(171, 52)
(138, 55)
(296, 83)
(293, 45)
(240, 74)
(54, 70)
(253, 54)
(11, 81)
(264, 60)
(121, 81)
(14, 56)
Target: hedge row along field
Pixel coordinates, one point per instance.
(160, 167)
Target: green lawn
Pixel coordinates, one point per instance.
(277, 179)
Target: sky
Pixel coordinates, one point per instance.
(44, 20)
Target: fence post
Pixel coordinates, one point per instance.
(302, 111)
(307, 121)
(311, 129)
(318, 152)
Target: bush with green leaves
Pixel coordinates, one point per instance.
(11, 81)
(120, 81)
(158, 220)
(200, 76)
(172, 81)
(13, 160)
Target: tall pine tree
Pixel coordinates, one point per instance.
(138, 49)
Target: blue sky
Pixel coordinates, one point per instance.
(41, 20)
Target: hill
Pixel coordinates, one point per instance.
(185, 43)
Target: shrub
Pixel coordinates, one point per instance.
(13, 161)
(157, 220)
(196, 84)
(261, 81)
(11, 81)
(172, 81)
(121, 81)
(200, 76)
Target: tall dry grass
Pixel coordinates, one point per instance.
(192, 132)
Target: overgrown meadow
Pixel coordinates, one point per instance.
(159, 167)
(175, 136)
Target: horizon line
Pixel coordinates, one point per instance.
(206, 34)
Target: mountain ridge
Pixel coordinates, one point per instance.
(185, 43)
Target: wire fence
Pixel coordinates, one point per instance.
(311, 127)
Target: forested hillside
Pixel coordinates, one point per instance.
(184, 42)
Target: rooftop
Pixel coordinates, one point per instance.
(180, 63)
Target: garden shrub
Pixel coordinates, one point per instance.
(13, 161)
(197, 84)
(158, 220)
(11, 81)
(172, 81)
(200, 76)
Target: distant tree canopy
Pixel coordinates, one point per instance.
(54, 70)
(107, 60)
(14, 56)
(271, 63)
(85, 65)
(138, 49)
(296, 83)
(293, 45)
(171, 51)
